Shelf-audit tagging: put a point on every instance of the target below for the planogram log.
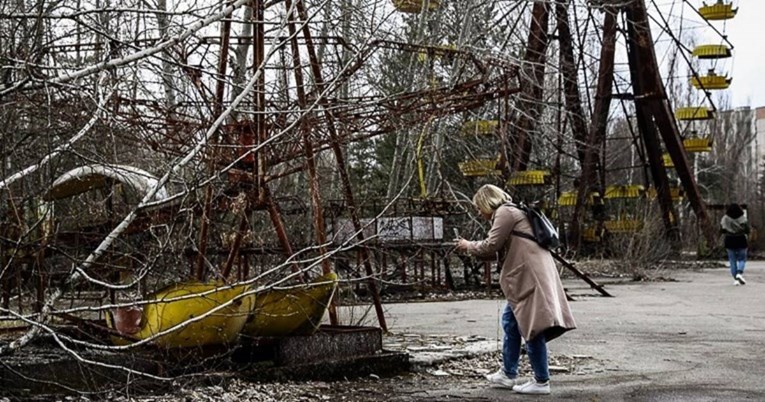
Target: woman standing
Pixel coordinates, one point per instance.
(735, 228)
(537, 309)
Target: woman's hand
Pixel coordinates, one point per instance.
(461, 245)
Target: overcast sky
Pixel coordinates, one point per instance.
(747, 34)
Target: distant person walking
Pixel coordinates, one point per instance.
(735, 228)
(537, 309)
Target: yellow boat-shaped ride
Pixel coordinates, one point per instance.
(179, 304)
(293, 311)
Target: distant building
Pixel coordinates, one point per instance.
(738, 152)
(758, 147)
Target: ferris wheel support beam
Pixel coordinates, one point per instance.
(596, 133)
(647, 90)
(586, 140)
(531, 80)
(573, 102)
(655, 113)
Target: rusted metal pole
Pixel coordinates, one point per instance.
(259, 100)
(244, 267)
(644, 92)
(313, 177)
(448, 278)
(596, 135)
(572, 99)
(574, 115)
(220, 85)
(532, 80)
(234, 252)
(487, 275)
(42, 284)
(225, 35)
(581, 275)
(264, 193)
(281, 232)
(404, 267)
(340, 159)
(434, 278)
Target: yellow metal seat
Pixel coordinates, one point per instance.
(479, 167)
(711, 81)
(718, 11)
(694, 113)
(711, 51)
(667, 160)
(416, 6)
(698, 144)
(591, 234)
(480, 127)
(530, 178)
(624, 191)
(291, 311)
(623, 225)
(675, 192)
(568, 198)
(187, 314)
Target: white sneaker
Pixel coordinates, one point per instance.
(736, 282)
(501, 379)
(740, 279)
(533, 388)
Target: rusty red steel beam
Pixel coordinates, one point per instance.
(532, 77)
(572, 98)
(340, 159)
(263, 193)
(313, 178)
(281, 232)
(378, 117)
(219, 93)
(390, 114)
(573, 106)
(667, 125)
(658, 106)
(380, 112)
(259, 99)
(235, 247)
(384, 119)
(596, 135)
(648, 90)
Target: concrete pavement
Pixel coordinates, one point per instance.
(698, 338)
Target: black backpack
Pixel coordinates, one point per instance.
(544, 232)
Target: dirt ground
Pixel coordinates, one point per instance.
(690, 337)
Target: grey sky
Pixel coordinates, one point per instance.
(747, 33)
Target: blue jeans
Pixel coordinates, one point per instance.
(511, 349)
(737, 260)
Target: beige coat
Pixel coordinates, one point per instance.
(529, 278)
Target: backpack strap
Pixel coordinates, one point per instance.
(524, 235)
(519, 233)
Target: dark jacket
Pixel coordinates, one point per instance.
(735, 231)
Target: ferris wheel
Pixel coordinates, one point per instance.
(580, 161)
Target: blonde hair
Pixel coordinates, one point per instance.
(490, 197)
